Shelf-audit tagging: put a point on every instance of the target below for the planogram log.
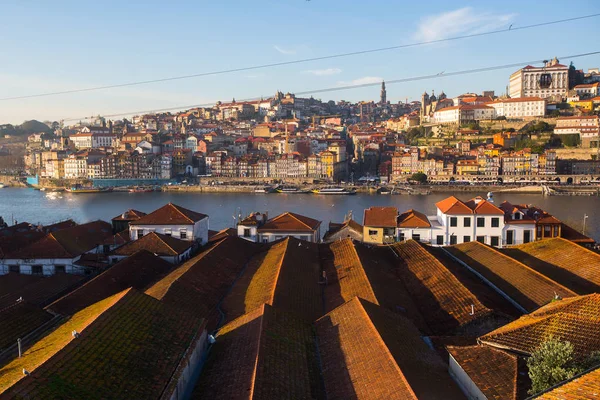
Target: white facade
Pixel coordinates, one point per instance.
(190, 232)
(520, 107)
(526, 81)
(267, 237)
(76, 167)
(460, 228)
(248, 232)
(418, 234)
(93, 140)
(449, 115)
(172, 259)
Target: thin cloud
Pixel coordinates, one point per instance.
(284, 51)
(361, 81)
(323, 72)
(460, 22)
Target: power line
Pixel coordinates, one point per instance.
(305, 60)
(348, 87)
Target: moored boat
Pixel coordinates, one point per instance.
(290, 190)
(86, 189)
(334, 190)
(263, 189)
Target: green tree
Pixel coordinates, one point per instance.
(554, 361)
(419, 177)
(571, 140)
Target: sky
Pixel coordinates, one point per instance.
(48, 46)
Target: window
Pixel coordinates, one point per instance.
(372, 232)
(265, 240)
(168, 232)
(481, 239)
(140, 233)
(401, 236)
(480, 222)
(246, 232)
(466, 239)
(495, 241)
(59, 269)
(14, 268)
(183, 234)
(439, 240)
(37, 270)
(453, 221)
(495, 222)
(452, 239)
(517, 216)
(416, 236)
(510, 237)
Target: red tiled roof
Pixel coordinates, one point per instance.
(170, 214)
(483, 207)
(582, 387)
(157, 243)
(527, 287)
(138, 271)
(454, 206)
(264, 354)
(290, 222)
(129, 215)
(66, 243)
(494, 372)
(384, 217)
(18, 320)
(413, 219)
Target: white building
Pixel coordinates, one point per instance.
(257, 228)
(414, 225)
(172, 220)
(58, 252)
(588, 90)
(547, 81)
(93, 137)
(166, 247)
(464, 113)
(520, 107)
(76, 166)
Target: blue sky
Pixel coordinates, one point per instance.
(61, 45)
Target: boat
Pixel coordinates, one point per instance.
(141, 190)
(2, 185)
(290, 190)
(263, 189)
(87, 189)
(383, 190)
(42, 189)
(334, 190)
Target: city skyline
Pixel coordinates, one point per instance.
(116, 48)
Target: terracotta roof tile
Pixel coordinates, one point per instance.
(494, 372)
(483, 207)
(157, 243)
(444, 301)
(384, 217)
(583, 387)
(170, 214)
(574, 320)
(130, 215)
(413, 219)
(555, 259)
(454, 206)
(527, 287)
(18, 320)
(290, 222)
(37, 290)
(264, 354)
(138, 271)
(285, 276)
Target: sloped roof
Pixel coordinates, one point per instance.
(384, 217)
(170, 214)
(290, 222)
(263, 354)
(454, 206)
(413, 219)
(158, 331)
(563, 261)
(129, 215)
(483, 207)
(574, 320)
(201, 282)
(527, 287)
(157, 243)
(18, 320)
(137, 271)
(285, 276)
(35, 289)
(583, 387)
(350, 225)
(118, 239)
(66, 243)
(444, 301)
(495, 372)
(392, 362)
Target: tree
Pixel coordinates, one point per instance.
(554, 361)
(419, 177)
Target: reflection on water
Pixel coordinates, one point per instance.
(43, 207)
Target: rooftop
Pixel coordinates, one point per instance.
(413, 219)
(381, 217)
(157, 243)
(584, 386)
(130, 215)
(527, 287)
(170, 214)
(290, 222)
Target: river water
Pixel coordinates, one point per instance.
(40, 207)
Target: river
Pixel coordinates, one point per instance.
(40, 207)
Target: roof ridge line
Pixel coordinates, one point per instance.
(297, 219)
(527, 268)
(362, 270)
(179, 211)
(167, 244)
(260, 338)
(382, 342)
(280, 265)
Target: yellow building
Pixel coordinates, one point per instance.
(380, 225)
(328, 160)
(584, 105)
(467, 167)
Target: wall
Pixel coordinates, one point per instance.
(47, 264)
(188, 369)
(464, 382)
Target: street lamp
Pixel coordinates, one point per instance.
(585, 217)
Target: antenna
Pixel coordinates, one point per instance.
(472, 310)
(19, 346)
